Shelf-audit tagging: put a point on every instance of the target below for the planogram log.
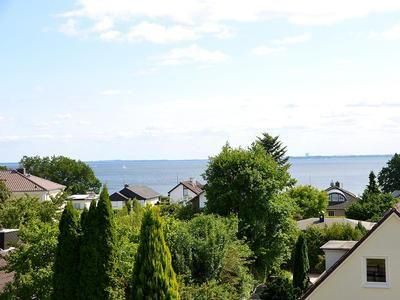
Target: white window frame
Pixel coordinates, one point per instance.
(382, 285)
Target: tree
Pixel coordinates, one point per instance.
(248, 183)
(153, 275)
(273, 146)
(389, 176)
(372, 186)
(311, 202)
(88, 254)
(5, 193)
(75, 174)
(66, 265)
(32, 262)
(301, 266)
(105, 248)
(3, 168)
(371, 207)
(98, 252)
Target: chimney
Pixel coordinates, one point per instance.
(332, 184)
(337, 184)
(192, 181)
(126, 185)
(21, 171)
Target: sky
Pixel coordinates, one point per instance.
(177, 79)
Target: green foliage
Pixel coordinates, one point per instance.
(75, 174)
(301, 265)
(371, 207)
(211, 290)
(206, 250)
(32, 262)
(372, 187)
(5, 193)
(179, 211)
(20, 211)
(389, 176)
(153, 275)
(273, 146)
(98, 252)
(66, 265)
(3, 168)
(317, 236)
(311, 202)
(278, 287)
(248, 183)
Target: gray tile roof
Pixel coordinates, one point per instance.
(141, 192)
(338, 245)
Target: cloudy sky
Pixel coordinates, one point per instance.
(154, 79)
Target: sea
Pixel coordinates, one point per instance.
(162, 175)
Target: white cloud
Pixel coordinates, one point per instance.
(267, 50)
(70, 28)
(157, 33)
(195, 11)
(192, 54)
(391, 34)
(292, 40)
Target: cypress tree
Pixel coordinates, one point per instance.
(88, 254)
(301, 265)
(66, 265)
(106, 252)
(372, 187)
(153, 275)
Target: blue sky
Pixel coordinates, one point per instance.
(177, 79)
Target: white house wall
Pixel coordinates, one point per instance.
(176, 195)
(202, 200)
(347, 281)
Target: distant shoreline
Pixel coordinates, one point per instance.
(203, 159)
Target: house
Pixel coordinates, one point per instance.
(322, 221)
(20, 183)
(339, 200)
(367, 270)
(185, 191)
(142, 193)
(82, 201)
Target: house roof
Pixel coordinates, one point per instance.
(18, 182)
(141, 192)
(195, 186)
(350, 197)
(304, 224)
(338, 245)
(341, 260)
(118, 197)
(80, 197)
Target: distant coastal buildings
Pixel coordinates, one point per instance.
(188, 191)
(144, 194)
(339, 200)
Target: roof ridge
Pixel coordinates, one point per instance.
(35, 183)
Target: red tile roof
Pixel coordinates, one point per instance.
(195, 186)
(18, 182)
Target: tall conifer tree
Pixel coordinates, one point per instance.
(88, 255)
(274, 147)
(106, 252)
(66, 265)
(301, 265)
(153, 275)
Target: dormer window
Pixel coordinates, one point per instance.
(336, 197)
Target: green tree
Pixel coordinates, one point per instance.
(88, 254)
(75, 174)
(371, 207)
(248, 183)
(301, 265)
(153, 275)
(311, 202)
(372, 186)
(105, 250)
(66, 265)
(3, 168)
(274, 147)
(5, 193)
(32, 262)
(389, 176)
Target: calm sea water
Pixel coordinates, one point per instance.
(162, 175)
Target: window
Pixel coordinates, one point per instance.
(336, 197)
(185, 192)
(331, 213)
(376, 272)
